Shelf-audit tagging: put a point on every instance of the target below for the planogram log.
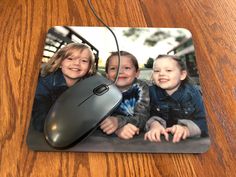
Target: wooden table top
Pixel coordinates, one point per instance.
(24, 25)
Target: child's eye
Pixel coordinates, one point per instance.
(156, 71)
(69, 58)
(84, 60)
(112, 69)
(168, 70)
(127, 68)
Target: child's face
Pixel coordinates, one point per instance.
(167, 74)
(75, 66)
(127, 72)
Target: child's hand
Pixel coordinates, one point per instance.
(127, 131)
(179, 132)
(109, 125)
(156, 129)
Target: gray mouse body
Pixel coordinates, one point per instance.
(79, 110)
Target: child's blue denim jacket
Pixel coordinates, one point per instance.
(49, 88)
(184, 107)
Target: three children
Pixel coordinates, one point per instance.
(170, 106)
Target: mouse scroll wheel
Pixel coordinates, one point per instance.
(101, 89)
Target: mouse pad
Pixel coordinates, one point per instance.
(161, 110)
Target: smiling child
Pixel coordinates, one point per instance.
(66, 67)
(130, 117)
(176, 105)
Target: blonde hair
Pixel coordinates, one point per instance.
(55, 62)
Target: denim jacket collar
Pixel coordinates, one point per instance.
(59, 80)
(177, 95)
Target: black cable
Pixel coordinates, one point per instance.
(117, 45)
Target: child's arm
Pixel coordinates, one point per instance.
(127, 131)
(194, 130)
(109, 125)
(132, 124)
(179, 132)
(197, 126)
(156, 129)
(141, 109)
(155, 119)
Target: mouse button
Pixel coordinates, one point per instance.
(60, 135)
(59, 123)
(102, 105)
(101, 89)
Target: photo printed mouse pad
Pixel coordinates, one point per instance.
(142, 94)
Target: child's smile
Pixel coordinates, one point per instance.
(121, 78)
(75, 69)
(74, 72)
(163, 80)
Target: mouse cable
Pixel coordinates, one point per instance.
(117, 45)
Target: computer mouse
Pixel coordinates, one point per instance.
(80, 110)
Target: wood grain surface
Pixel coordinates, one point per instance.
(24, 24)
